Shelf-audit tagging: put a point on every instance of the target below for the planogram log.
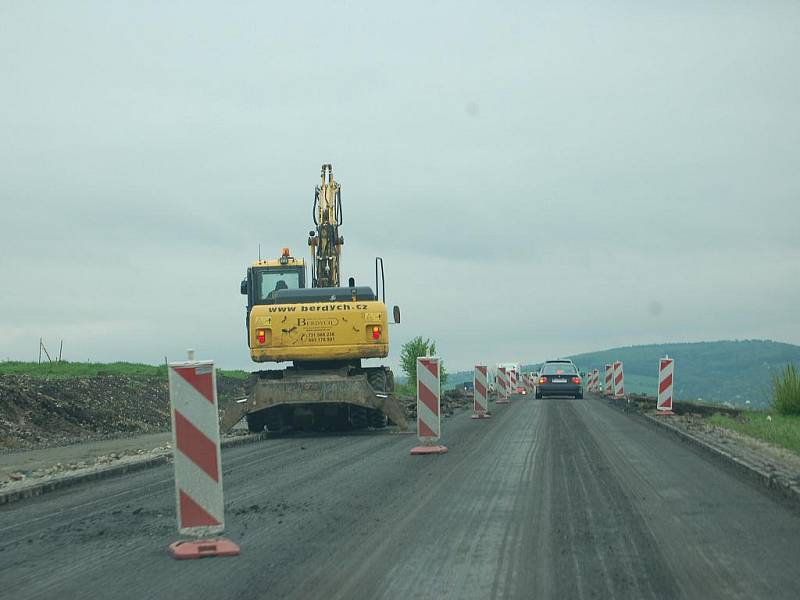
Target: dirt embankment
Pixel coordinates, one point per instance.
(55, 411)
(451, 401)
(36, 412)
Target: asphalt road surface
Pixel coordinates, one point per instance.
(549, 499)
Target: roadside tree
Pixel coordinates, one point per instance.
(412, 350)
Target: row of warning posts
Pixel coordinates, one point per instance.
(613, 384)
(196, 439)
(200, 504)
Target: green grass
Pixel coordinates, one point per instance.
(781, 431)
(786, 391)
(234, 373)
(66, 370)
(404, 389)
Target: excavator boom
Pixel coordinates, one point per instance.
(325, 241)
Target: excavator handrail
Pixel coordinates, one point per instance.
(378, 294)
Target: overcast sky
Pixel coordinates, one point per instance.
(541, 178)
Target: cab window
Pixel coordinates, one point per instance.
(272, 280)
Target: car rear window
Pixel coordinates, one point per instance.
(559, 369)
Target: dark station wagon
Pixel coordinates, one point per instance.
(559, 378)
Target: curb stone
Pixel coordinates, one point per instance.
(71, 479)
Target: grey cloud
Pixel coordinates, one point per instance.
(541, 179)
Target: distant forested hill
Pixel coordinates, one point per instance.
(725, 371)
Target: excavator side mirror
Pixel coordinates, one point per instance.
(396, 313)
(244, 287)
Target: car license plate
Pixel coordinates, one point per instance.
(559, 381)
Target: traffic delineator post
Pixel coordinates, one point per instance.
(619, 380)
(596, 384)
(480, 403)
(199, 496)
(666, 371)
(608, 382)
(502, 386)
(429, 392)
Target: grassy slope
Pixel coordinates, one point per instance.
(72, 369)
(781, 431)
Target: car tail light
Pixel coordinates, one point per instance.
(576, 380)
(376, 333)
(261, 335)
(542, 380)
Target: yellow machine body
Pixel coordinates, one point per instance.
(319, 331)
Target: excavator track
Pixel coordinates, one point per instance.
(306, 399)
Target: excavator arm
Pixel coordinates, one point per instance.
(325, 241)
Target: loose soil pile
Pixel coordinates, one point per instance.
(451, 400)
(35, 412)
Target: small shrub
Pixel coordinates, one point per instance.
(786, 391)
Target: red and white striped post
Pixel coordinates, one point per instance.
(480, 403)
(198, 471)
(666, 370)
(502, 386)
(429, 392)
(512, 381)
(608, 383)
(596, 378)
(590, 381)
(619, 380)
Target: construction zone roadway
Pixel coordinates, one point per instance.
(550, 498)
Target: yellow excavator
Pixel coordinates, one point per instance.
(324, 329)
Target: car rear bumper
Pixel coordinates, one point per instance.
(559, 389)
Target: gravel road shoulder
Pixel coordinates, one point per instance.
(34, 472)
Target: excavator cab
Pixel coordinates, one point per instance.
(265, 279)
